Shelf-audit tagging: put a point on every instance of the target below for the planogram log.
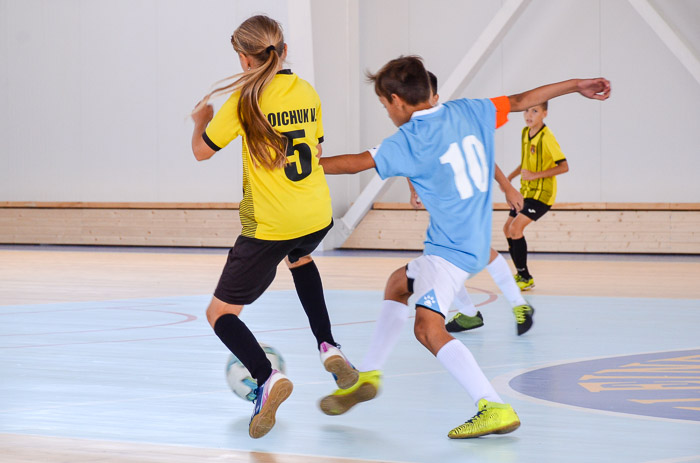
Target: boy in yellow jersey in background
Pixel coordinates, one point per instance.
(286, 206)
(467, 316)
(541, 161)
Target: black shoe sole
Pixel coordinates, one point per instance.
(454, 327)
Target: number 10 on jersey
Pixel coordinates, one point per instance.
(468, 162)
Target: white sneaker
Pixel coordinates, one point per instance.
(334, 361)
(270, 396)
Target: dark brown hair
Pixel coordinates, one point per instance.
(261, 39)
(405, 77)
(433, 82)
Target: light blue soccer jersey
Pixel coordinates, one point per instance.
(447, 152)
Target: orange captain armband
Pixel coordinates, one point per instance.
(502, 104)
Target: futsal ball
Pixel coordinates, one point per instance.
(238, 376)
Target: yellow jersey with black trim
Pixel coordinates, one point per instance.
(540, 153)
(289, 202)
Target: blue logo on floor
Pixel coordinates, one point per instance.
(665, 384)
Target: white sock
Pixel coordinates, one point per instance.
(389, 325)
(464, 304)
(500, 272)
(460, 362)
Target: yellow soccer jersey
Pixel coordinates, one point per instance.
(289, 202)
(539, 153)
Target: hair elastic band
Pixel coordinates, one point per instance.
(270, 48)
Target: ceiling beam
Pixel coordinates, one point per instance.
(668, 36)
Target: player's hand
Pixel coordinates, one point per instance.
(527, 175)
(596, 89)
(514, 199)
(202, 113)
(415, 200)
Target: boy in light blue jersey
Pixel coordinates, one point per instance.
(468, 317)
(411, 153)
(447, 152)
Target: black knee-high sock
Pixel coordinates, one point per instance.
(510, 249)
(241, 342)
(309, 288)
(519, 247)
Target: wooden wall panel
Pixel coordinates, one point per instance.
(575, 230)
(578, 227)
(127, 227)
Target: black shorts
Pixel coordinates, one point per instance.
(252, 264)
(532, 209)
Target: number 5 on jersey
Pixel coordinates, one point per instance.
(304, 159)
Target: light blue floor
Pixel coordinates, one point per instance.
(151, 370)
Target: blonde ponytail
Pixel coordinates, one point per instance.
(259, 38)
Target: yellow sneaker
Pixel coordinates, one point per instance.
(492, 418)
(342, 400)
(524, 284)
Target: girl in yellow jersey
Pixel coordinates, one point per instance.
(286, 206)
(541, 161)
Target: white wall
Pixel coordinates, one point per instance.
(639, 146)
(94, 94)
(338, 83)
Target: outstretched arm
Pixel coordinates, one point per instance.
(347, 163)
(596, 89)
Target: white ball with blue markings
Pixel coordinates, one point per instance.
(238, 376)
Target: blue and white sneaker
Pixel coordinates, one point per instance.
(344, 373)
(269, 397)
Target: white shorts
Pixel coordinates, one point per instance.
(435, 282)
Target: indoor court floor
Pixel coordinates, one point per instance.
(106, 356)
